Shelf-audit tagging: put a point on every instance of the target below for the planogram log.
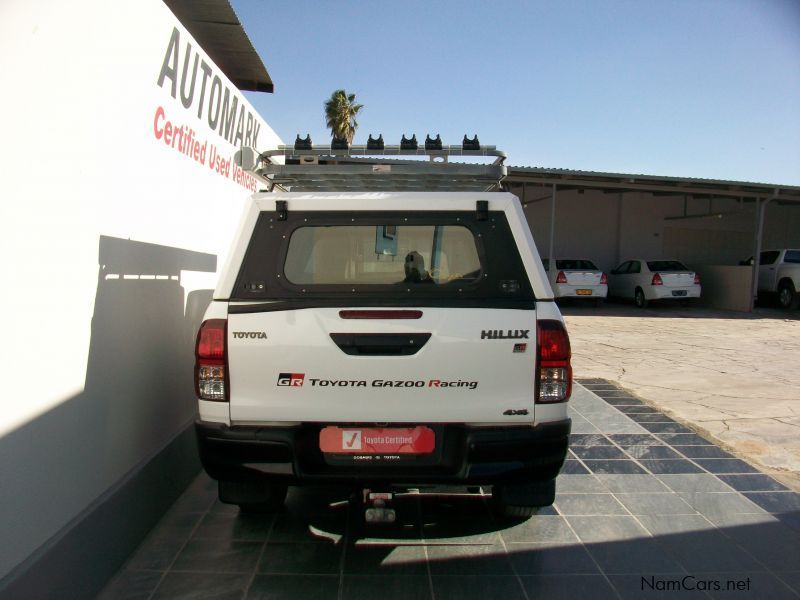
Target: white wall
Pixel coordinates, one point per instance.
(726, 287)
(605, 228)
(782, 226)
(97, 368)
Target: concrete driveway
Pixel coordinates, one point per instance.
(733, 376)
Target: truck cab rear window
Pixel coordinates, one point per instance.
(382, 255)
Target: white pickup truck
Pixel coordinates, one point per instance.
(779, 273)
(383, 339)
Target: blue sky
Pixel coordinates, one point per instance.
(696, 88)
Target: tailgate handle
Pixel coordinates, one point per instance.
(380, 344)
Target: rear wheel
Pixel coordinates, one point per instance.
(253, 497)
(638, 297)
(787, 296)
(522, 500)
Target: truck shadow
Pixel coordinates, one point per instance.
(451, 546)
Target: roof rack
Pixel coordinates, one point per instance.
(339, 166)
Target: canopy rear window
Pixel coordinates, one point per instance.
(358, 258)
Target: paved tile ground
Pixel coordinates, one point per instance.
(645, 508)
(732, 375)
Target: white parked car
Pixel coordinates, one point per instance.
(577, 278)
(647, 280)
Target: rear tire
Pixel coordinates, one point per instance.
(522, 500)
(787, 295)
(253, 497)
(639, 299)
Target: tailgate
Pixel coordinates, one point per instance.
(313, 365)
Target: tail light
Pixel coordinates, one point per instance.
(696, 279)
(603, 279)
(554, 374)
(657, 280)
(561, 278)
(210, 369)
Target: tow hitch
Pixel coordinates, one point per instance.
(377, 507)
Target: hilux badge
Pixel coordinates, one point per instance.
(504, 334)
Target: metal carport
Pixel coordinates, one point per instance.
(537, 184)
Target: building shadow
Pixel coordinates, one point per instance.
(83, 482)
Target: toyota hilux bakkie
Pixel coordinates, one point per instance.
(383, 339)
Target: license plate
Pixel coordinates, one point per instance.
(377, 440)
(678, 292)
(583, 292)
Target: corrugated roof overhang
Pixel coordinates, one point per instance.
(215, 26)
(663, 185)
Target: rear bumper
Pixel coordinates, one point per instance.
(464, 454)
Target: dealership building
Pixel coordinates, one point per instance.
(122, 195)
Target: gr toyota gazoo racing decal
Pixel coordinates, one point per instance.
(291, 379)
(297, 380)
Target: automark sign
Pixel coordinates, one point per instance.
(190, 78)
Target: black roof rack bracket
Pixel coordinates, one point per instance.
(482, 210)
(281, 209)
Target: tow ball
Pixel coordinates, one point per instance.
(377, 507)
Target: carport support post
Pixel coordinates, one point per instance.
(552, 229)
(761, 209)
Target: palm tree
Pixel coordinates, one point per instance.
(340, 115)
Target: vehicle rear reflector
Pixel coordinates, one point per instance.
(380, 314)
(210, 369)
(553, 354)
